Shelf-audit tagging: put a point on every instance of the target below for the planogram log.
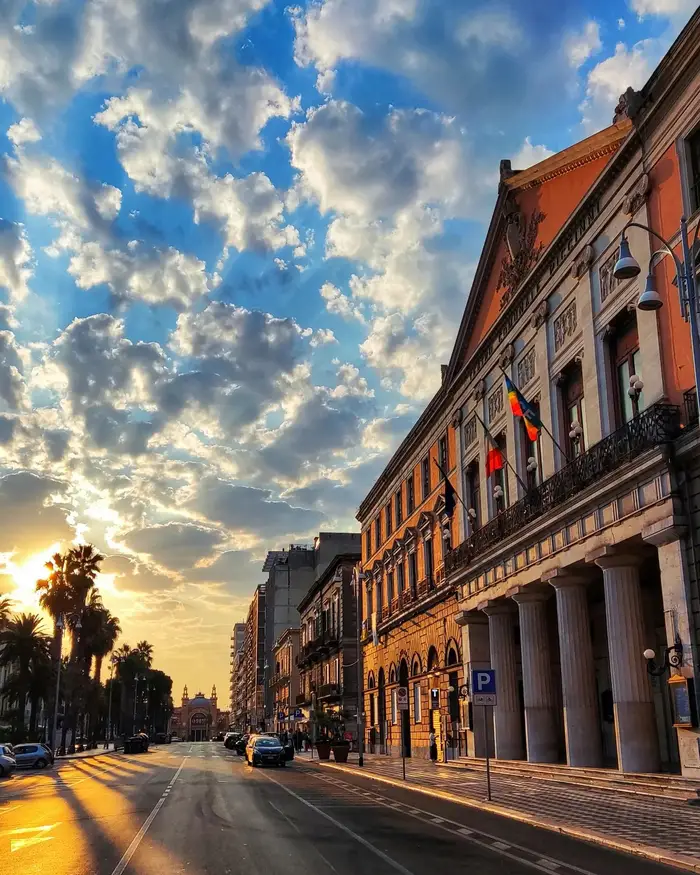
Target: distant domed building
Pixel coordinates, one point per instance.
(197, 719)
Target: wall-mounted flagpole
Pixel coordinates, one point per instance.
(503, 455)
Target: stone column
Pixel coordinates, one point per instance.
(475, 648)
(581, 718)
(540, 718)
(507, 718)
(635, 721)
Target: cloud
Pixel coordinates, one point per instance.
(583, 45)
(236, 570)
(177, 546)
(12, 386)
(133, 576)
(340, 304)
(33, 514)
(15, 260)
(23, 131)
(666, 8)
(529, 154)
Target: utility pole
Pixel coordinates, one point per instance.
(360, 697)
(54, 730)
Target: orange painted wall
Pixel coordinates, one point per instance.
(557, 198)
(665, 208)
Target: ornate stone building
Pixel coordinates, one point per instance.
(196, 719)
(284, 683)
(581, 554)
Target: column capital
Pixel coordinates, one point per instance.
(561, 578)
(533, 592)
(471, 618)
(497, 607)
(664, 531)
(610, 557)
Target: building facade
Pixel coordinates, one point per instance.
(578, 556)
(237, 642)
(285, 680)
(250, 708)
(328, 644)
(197, 719)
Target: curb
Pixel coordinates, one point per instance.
(69, 758)
(649, 852)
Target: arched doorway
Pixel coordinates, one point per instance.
(381, 699)
(454, 737)
(405, 715)
(372, 713)
(199, 727)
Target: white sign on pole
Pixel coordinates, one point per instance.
(402, 698)
(484, 698)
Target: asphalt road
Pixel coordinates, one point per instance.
(197, 809)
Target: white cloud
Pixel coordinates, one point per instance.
(15, 260)
(583, 45)
(340, 304)
(23, 131)
(322, 337)
(529, 154)
(666, 8)
(627, 68)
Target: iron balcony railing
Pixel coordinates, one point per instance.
(654, 426)
(690, 407)
(328, 691)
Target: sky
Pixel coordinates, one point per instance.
(236, 241)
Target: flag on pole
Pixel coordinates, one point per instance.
(494, 456)
(520, 407)
(450, 496)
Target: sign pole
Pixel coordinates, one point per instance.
(488, 761)
(403, 743)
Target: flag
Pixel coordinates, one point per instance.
(494, 456)
(520, 407)
(450, 496)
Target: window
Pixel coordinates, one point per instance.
(399, 507)
(400, 583)
(389, 587)
(693, 147)
(626, 363)
(531, 474)
(380, 598)
(499, 478)
(335, 675)
(372, 710)
(416, 702)
(389, 526)
(428, 560)
(442, 455)
(370, 607)
(473, 491)
(377, 532)
(574, 411)
(368, 543)
(425, 473)
(410, 495)
(394, 707)
(412, 572)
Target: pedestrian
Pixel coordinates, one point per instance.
(432, 741)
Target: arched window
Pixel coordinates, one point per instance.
(392, 674)
(370, 681)
(416, 667)
(433, 659)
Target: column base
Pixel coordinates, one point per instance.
(637, 742)
(541, 734)
(583, 744)
(509, 742)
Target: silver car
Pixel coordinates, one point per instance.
(31, 756)
(7, 760)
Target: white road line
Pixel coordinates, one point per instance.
(467, 832)
(549, 864)
(341, 826)
(138, 838)
(502, 846)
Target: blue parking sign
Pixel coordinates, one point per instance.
(484, 686)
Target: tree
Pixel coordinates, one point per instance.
(108, 632)
(146, 651)
(25, 647)
(55, 598)
(5, 611)
(83, 565)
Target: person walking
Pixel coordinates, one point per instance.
(432, 741)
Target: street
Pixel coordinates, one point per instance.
(197, 808)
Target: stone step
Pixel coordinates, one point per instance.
(658, 786)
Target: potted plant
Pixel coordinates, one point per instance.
(324, 733)
(340, 747)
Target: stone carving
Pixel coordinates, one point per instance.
(608, 283)
(583, 262)
(628, 106)
(507, 356)
(637, 195)
(457, 418)
(495, 403)
(565, 326)
(479, 390)
(470, 432)
(539, 317)
(523, 252)
(526, 368)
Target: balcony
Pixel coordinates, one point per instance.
(326, 692)
(690, 407)
(303, 698)
(657, 425)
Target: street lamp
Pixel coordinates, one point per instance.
(673, 658)
(627, 267)
(136, 697)
(108, 734)
(54, 730)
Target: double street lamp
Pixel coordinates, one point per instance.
(628, 267)
(60, 626)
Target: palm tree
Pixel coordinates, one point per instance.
(83, 564)
(146, 651)
(104, 639)
(55, 598)
(5, 611)
(24, 645)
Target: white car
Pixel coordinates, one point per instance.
(7, 760)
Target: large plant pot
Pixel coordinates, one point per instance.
(340, 752)
(323, 749)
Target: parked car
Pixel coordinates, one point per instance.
(31, 756)
(231, 739)
(287, 745)
(219, 736)
(7, 760)
(240, 745)
(175, 738)
(263, 750)
(161, 738)
(49, 752)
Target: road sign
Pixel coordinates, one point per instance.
(298, 714)
(484, 686)
(435, 700)
(281, 716)
(402, 698)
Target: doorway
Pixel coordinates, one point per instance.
(381, 697)
(405, 715)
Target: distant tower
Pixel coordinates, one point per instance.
(213, 694)
(185, 697)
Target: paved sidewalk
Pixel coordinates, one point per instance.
(665, 830)
(86, 754)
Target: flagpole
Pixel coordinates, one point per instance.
(554, 440)
(457, 495)
(505, 455)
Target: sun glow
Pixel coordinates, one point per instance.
(26, 575)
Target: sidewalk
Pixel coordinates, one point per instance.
(667, 831)
(97, 752)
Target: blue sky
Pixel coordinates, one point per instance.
(236, 238)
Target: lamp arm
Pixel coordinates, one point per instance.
(680, 273)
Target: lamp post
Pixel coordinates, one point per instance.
(628, 267)
(359, 577)
(54, 729)
(108, 734)
(136, 699)
(673, 658)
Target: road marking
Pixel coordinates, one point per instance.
(467, 832)
(437, 820)
(549, 864)
(138, 838)
(21, 843)
(341, 826)
(502, 846)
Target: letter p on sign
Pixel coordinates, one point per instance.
(484, 686)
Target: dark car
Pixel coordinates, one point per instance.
(31, 756)
(161, 738)
(265, 750)
(287, 745)
(240, 745)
